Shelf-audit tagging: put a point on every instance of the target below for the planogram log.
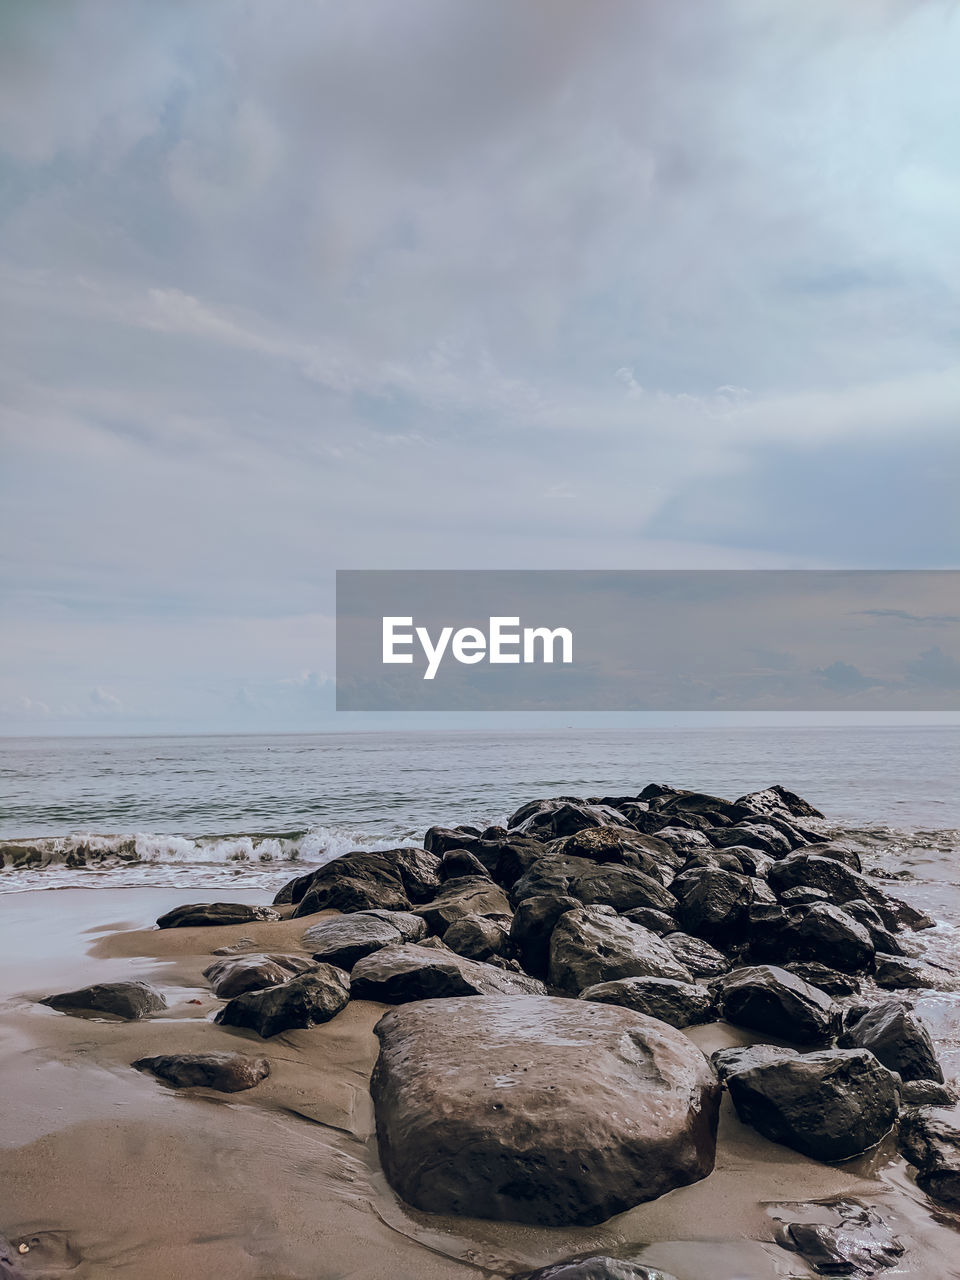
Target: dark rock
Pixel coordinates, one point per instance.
(767, 998)
(684, 840)
(459, 862)
(465, 896)
(214, 913)
(479, 937)
(727, 1062)
(387, 879)
(234, 975)
(899, 973)
(930, 1139)
(869, 917)
(840, 1238)
(780, 802)
(126, 1000)
(828, 935)
(398, 974)
(710, 809)
(556, 818)
(307, 1001)
(703, 960)
(532, 927)
(345, 940)
(597, 1266)
(831, 981)
(803, 896)
(294, 889)
(714, 905)
(830, 1105)
(650, 918)
(621, 845)
(440, 840)
(594, 944)
(897, 1038)
(226, 1072)
(607, 884)
(926, 1093)
(541, 1110)
(681, 1004)
(842, 884)
(840, 852)
(509, 859)
(752, 834)
(234, 948)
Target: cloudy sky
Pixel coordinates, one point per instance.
(563, 283)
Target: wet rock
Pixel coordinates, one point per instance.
(479, 937)
(622, 888)
(897, 1038)
(830, 1105)
(926, 1093)
(532, 927)
(226, 1072)
(512, 857)
(459, 862)
(233, 975)
(620, 845)
(597, 1266)
(387, 879)
(594, 944)
(684, 840)
(711, 810)
(713, 905)
(768, 998)
(398, 974)
(572, 1111)
(827, 935)
(831, 981)
(345, 940)
(465, 896)
(727, 1062)
(681, 1004)
(440, 840)
(234, 948)
(882, 939)
(557, 818)
(842, 884)
(899, 973)
(214, 913)
(307, 1001)
(840, 852)
(930, 1139)
(703, 960)
(779, 802)
(840, 1237)
(650, 918)
(758, 835)
(803, 896)
(126, 1000)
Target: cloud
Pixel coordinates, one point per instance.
(934, 667)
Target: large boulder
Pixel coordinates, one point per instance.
(233, 975)
(346, 939)
(682, 1004)
(777, 801)
(743, 1057)
(594, 944)
(532, 927)
(541, 1110)
(618, 844)
(479, 937)
(225, 1072)
(125, 1000)
(830, 1105)
(460, 862)
(464, 896)
(752, 835)
(842, 884)
(713, 903)
(440, 840)
(397, 974)
(609, 884)
(930, 1139)
(214, 913)
(385, 879)
(556, 818)
(307, 1001)
(767, 998)
(703, 960)
(818, 932)
(894, 1035)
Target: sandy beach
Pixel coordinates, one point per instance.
(112, 1173)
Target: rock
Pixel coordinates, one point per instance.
(926, 1093)
(537, 1109)
(234, 948)
(844, 853)
(397, 974)
(465, 896)
(831, 981)
(899, 973)
(345, 940)
(780, 802)
(307, 1001)
(771, 999)
(555, 818)
(593, 944)
(597, 1266)
(479, 937)
(698, 956)
(869, 917)
(440, 840)
(620, 845)
(513, 857)
(803, 896)
(622, 888)
(214, 913)
(714, 904)
(656, 921)
(827, 935)
(840, 1237)
(711, 810)
(681, 1004)
(897, 1038)
(232, 976)
(385, 879)
(842, 885)
(930, 1139)
(226, 1072)
(459, 862)
(532, 927)
(830, 1105)
(684, 841)
(727, 1062)
(757, 835)
(126, 1000)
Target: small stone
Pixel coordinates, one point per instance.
(225, 1072)
(126, 1000)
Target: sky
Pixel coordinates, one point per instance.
(303, 286)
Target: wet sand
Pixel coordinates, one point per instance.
(134, 1179)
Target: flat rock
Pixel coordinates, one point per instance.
(552, 819)
(347, 939)
(126, 1000)
(226, 1072)
(307, 1001)
(232, 976)
(898, 1038)
(397, 974)
(209, 914)
(681, 1004)
(767, 998)
(594, 944)
(930, 1139)
(536, 1109)
(830, 1105)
